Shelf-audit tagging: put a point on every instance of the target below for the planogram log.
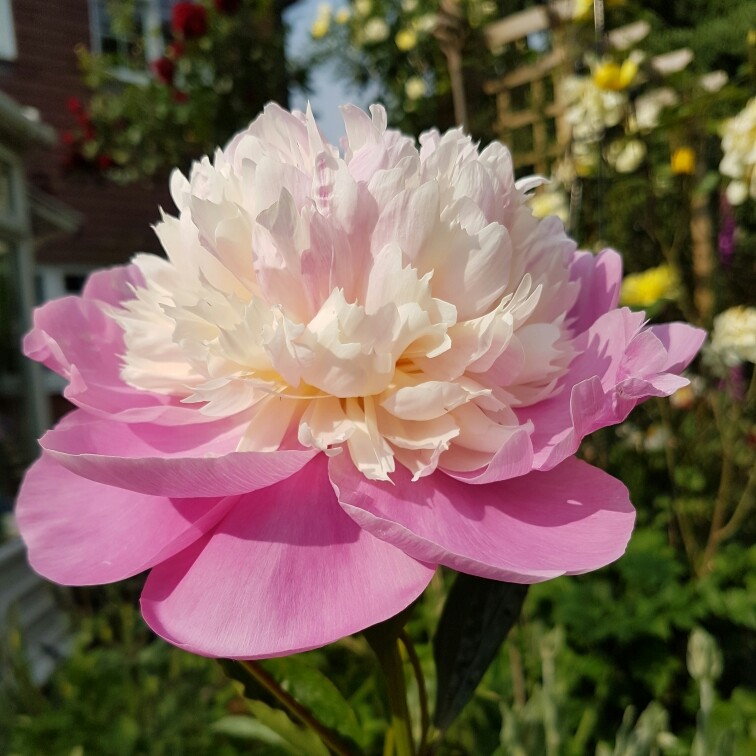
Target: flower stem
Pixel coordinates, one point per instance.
(422, 691)
(384, 640)
(295, 708)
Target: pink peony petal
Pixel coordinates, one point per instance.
(284, 572)
(83, 533)
(199, 460)
(113, 285)
(75, 331)
(618, 365)
(74, 337)
(600, 278)
(514, 458)
(682, 343)
(570, 520)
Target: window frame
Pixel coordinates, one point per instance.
(8, 44)
(151, 35)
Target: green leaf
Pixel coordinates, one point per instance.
(247, 728)
(300, 740)
(315, 691)
(309, 687)
(475, 620)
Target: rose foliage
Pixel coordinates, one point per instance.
(348, 371)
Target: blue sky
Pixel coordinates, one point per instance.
(329, 91)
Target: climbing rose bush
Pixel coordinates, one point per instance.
(349, 370)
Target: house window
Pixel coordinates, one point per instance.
(53, 281)
(8, 49)
(134, 31)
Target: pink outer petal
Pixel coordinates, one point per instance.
(75, 338)
(113, 285)
(193, 460)
(84, 533)
(679, 339)
(284, 572)
(600, 278)
(570, 520)
(618, 365)
(513, 459)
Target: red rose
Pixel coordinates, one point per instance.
(164, 69)
(179, 96)
(68, 137)
(189, 20)
(74, 105)
(104, 162)
(227, 6)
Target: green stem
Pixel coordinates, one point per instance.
(687, 533)
(724, 426)
(295, 708)
(384, 641)
(422, 691)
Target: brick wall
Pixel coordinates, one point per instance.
(117, 219)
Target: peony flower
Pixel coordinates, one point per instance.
(349, 370)
(189, 20)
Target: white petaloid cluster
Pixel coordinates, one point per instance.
(395, 302)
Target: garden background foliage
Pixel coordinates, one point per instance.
(651, 655)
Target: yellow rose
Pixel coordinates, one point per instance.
(614, 77)
(584, 8)
(342, 16)
(405, 39)
(683, 161)
(647, 288)
(320, 28)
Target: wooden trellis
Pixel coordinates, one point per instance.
(530, 114)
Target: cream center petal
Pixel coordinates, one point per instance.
(393, 305)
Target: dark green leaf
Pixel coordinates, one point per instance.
(308, 687)
(315, 691)
(476, 618)
(297, 738)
